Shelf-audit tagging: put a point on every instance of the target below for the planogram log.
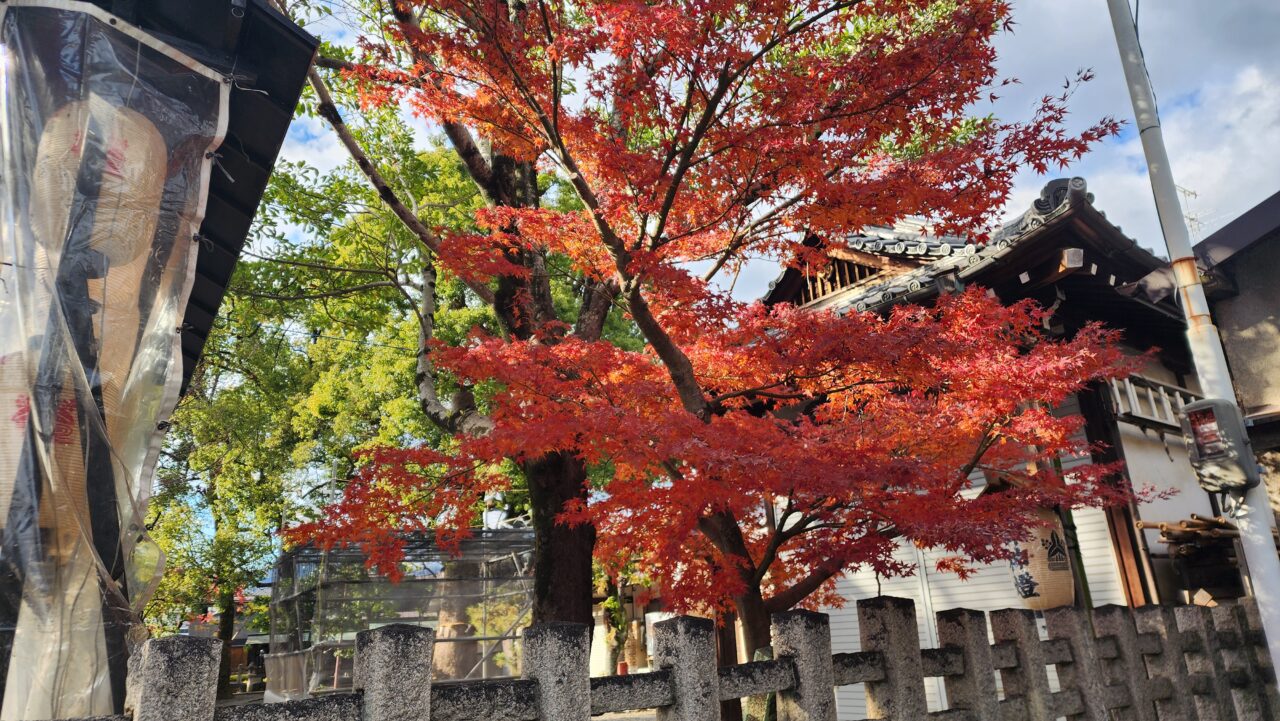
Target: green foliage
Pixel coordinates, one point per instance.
(314, 357)
(222, 484)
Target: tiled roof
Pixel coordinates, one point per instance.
(911, 240)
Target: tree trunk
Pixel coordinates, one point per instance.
(562, 579)
(754, 617)
(454, 660)
(226, 634)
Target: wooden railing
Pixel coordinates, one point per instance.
(1150, 403)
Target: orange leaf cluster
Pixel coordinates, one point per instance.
(896, 412)
(748, 449)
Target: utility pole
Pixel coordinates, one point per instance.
(1253, 514)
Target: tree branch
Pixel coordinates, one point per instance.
(801, 589)
(329, 111)
(478, 167)
(334, 293)
(597, 300)
(463, 417)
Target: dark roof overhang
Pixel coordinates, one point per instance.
(1024, 259)
(266, 57)
(1257, 224)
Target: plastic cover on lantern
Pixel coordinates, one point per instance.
(105, 136)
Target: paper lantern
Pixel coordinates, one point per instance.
(1042, 575)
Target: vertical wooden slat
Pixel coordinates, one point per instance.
(1169, 414)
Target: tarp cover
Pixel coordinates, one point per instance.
(106, 144)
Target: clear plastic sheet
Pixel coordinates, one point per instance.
(106, 138)
(478, 597)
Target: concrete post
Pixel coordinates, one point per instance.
(1159, 622)
(1027, 681)
(1084, 672)
(1262, 657)
(558, 657)
(393, 666)
(178, 679)
(686, 646)
(975, 690)
(805, 637)
(1240, 662)
(888, 625)
(1196, 628)
(1116, 622)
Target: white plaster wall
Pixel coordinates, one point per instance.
(1160, 460)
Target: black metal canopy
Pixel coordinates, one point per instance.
(266, 57)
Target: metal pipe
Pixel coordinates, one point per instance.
(1256, 518)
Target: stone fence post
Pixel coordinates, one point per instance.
(1155, 664)
(393, 666)
(805, 638)
(888, 625)
(178, 679)
(686, 646)
(974, 690)
(558, 657)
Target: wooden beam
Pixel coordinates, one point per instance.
(1101, 431)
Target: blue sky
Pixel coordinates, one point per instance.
(1216, 71)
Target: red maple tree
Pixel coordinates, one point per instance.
(752, 453)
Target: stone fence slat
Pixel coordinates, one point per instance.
(1152, 664)
(334, 707)
(858, 667)
(499, 700)
(636, 691)
(755, 679)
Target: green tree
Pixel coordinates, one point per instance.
(225, 482)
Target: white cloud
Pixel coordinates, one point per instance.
(1214, 67)
(311, 140)
(1216, 72)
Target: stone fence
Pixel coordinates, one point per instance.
(1152, 664)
